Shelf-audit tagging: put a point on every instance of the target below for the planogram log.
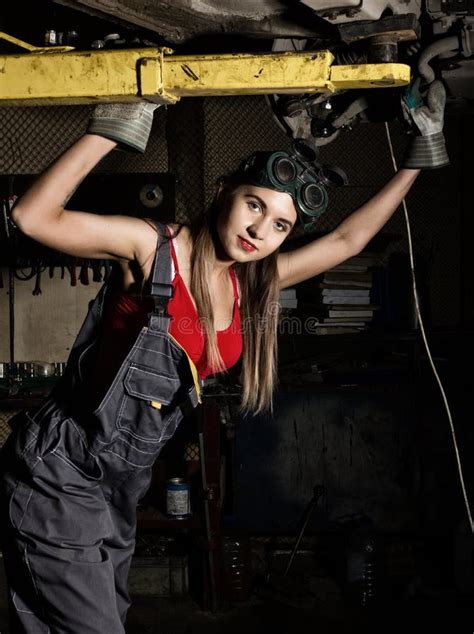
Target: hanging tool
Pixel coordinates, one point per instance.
(84, 273)
(37, 288)
(72, 271)
(96, 274)
(11, 307)
(22, 276)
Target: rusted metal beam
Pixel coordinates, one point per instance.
(154, 74)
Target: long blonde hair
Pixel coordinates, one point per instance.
(259, 307)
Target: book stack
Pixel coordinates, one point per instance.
(288, 302)
(339, 299)
(288, 298)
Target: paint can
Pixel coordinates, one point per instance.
(178, 504)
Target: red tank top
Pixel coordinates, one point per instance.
(185, 327)
(124, 316)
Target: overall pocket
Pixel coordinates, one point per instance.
(147, 417)
(149, 400)
(62, 496)
(32, 436)
(73, 452)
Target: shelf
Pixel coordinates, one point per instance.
(152, 518)
(16, 402)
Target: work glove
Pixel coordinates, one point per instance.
(428, 149)
(127, 123)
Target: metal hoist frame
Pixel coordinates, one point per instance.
(62, 76)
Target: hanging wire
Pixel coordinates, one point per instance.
(425, 341)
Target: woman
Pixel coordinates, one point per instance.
(75, 468)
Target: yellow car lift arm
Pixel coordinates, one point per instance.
(53, 76)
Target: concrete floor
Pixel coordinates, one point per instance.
(181, 617)
(290, 613)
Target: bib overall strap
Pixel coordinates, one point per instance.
(159, 319)
(161, 282)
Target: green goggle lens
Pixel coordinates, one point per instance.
(314, 198)
(284, 171)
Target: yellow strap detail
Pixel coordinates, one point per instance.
(193, 369)
(155, 404)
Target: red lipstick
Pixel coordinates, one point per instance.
(246, 245)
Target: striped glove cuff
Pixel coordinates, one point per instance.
(128, 124)
(427, 152)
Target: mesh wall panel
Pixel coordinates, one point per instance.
(5, 415)
(185, 148)
(33, 137)
(234, 127)
(155, 159)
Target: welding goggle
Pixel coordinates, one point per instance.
(296, 174)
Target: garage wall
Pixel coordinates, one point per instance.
(31, 138)
(46, 324)
(357, 443)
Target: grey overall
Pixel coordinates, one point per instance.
(71, 478)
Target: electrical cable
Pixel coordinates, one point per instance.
(425, 341)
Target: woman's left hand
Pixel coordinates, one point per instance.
(428, 149)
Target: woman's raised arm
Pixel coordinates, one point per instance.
(427, 150)
(40, 213)
(350, 237)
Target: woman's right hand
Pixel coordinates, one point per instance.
(129, 124)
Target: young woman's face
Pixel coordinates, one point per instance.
(255, 222)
